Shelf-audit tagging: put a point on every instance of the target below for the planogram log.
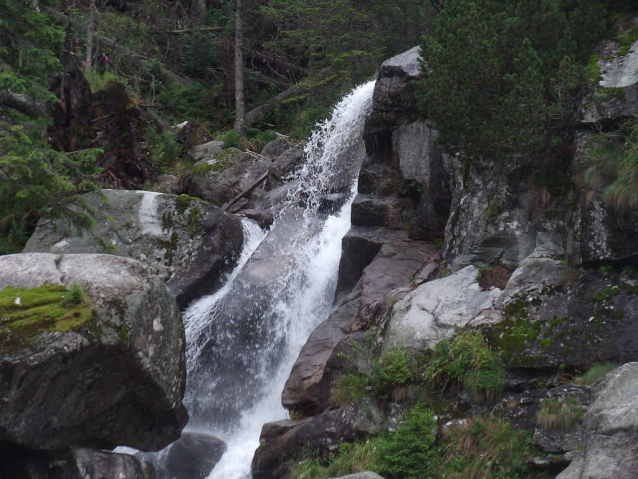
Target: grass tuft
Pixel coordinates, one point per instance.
(350, 388)
(558, 415)
(392, 374)
(595, 373)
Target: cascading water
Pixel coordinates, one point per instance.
(242, 341)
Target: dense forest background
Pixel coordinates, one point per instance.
(92, 92)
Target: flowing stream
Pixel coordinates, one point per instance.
(243, 341)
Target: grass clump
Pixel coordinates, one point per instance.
(410, 453)
(24, 313)
(485, 448)
(556, 415)
(467, 361)
(392, 375)
(594, 373)
(350, 388)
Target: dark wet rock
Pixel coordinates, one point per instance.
(308, 388)
(115, 379)
(610, 429)
(288, 440)
(187, 242)
(194, 456)
(20, 463)
(394, 99)
(284, 166)
(263, 218)
(226, 174)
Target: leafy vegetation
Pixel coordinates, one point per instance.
(392, 374)
(502, 77)
(594, 373)
(350, 388)
(556, 415)
(467, 361)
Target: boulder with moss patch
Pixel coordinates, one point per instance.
(184, 240)
(100, 369)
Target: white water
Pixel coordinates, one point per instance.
(243, 341)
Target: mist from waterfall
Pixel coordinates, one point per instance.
(243, 341)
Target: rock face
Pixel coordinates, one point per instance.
(21, 463)
(610, 429)
(194, 456)
(187, 242)
(115, 379)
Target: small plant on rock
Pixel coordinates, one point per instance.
(350, 388)
(595, 373)
(392, 375)
(557, 415)
(469, 362)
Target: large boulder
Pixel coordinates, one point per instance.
(610, 429)
(194, 456)
(110, 372)
(394, 100)
(186, 241)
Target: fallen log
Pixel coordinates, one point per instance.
(261, 179)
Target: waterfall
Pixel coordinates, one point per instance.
(243, 341)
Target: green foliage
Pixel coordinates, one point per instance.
(594, 373)
(499, 75)
(613, 165)
(30, 44)
(486, 448)
(350, 388)
(410, 452)
(467, 361)
(37, 181)
(392, 374)
(100, 80)
(556, 415)
(166, 149)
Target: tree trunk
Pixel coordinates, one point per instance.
(240, 104)
(89, 35)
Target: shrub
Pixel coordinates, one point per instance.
(595, 373)
(350, 388)
(467, 361)
(309, 468)
(485, 448)
(355, 457)
(410, 452)
(556, 415)
(392, 374)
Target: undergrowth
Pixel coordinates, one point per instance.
(350, 388)
(556, 415)
(392, 375)
(594, 373)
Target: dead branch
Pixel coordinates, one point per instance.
(261, 179)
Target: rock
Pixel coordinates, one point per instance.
(276, 147)
(308, 388)
(263, 218)
(115, 379)
(284, 166)
(206, 151)
(610, 429)
(616, 94)
(288, 440)
(194, 456)
(168, 184)
(394, 99)
(434, 311)
(17, 462)
(189, 243)
(226, 174)
(421, 162)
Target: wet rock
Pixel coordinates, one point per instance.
(263, 218)
(434, 311)
(284, 165)
(276, 147)
(206, 151)
(288, 440)
(226, 174)
(394, 100)
(188, 242)
(115, 379)
(610, 429)
(194, 456)
(17, 462)
(308, 388)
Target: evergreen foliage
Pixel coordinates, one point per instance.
(501, 77)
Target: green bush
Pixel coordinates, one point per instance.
(485, 448)
(410, 453)
(594, 373)
(166, 149)
(469, 362)
(350, 388)
(558, 415)
(392, 374)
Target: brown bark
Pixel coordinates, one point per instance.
(240, 103)
(89, 35)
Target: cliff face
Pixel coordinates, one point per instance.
(438, 246)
